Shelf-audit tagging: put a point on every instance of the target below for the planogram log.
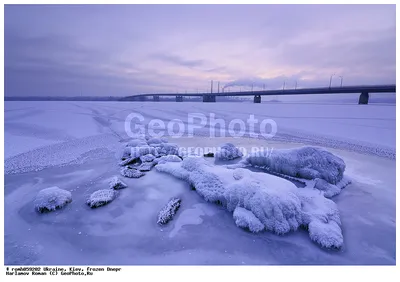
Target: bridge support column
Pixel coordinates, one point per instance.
(142, 98)
(156, 98)
(363, 100)
(257, 99)
(209, 98)
(179, 98)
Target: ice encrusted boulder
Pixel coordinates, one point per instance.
(116, 183)
(146, 166)
(304, 162)
(154, 141)
(131, 172)
(275, 202)
(168, 158)
(147, 158)
(52, 198)
(142, 147)
(101, 198)
(228, 151)
(168, 211)
(246, 219)
(129, 160)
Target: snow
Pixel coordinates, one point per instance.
(168, 211)
(101, 198)
(275, 202)
(52, 198)
(116, 183)
(246, 219)
(228, 151)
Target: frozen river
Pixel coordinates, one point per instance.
(73, 145)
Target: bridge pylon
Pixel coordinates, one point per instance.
(209, 98)
(364, 97)
(257, 99)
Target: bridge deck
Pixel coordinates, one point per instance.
(303, 91)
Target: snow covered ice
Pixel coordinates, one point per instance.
(52, 198)
(101, 198)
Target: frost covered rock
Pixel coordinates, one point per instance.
(275, 202)
(168, 158)
(137, 152)
(246, 219)
(328, 235)
(167, 149)
(146, 166)
(129, 160)
(101, 198)
(116, 183)
(136, 142)
(329, 190)
(147, 158)
(168, 211)
(322, 217)
(305, 162)
(131, 172)
(228, 151)
(52, 198)
(154, 141)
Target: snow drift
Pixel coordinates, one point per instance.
(52, 198)
(262, 198)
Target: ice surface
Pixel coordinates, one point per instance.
(168, 211)
(246, 219)
(305, 162)
(120, 234)
(277, 203)
(101, 198)
(228, 151)
(52, 198)
(116, 183)
(131, 172)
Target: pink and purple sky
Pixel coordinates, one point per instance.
(119, 50)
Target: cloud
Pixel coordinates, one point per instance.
(60, 52)
(177, 60)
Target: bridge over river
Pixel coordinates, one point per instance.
(363, 90)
